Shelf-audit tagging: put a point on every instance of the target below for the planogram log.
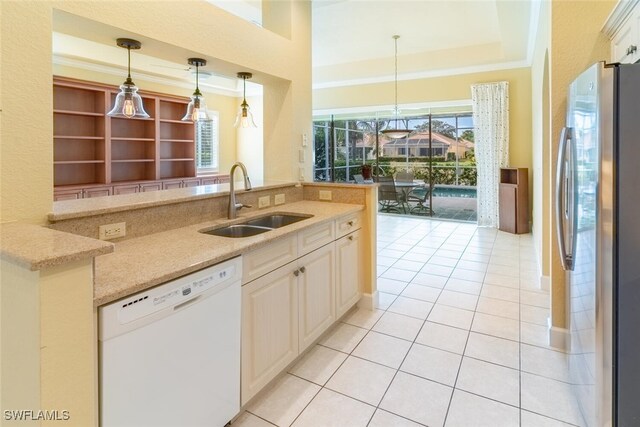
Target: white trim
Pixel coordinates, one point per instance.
(545, 282)
(559, 338)
(379, 108)
(369, 301)
(536, 6)
(618, 16)
(425, 74)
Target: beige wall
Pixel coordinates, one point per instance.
(282, 65)
(449, 88)
(576, 43)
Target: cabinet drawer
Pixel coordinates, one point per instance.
(264, 260)
(347, 224)
(315, 237)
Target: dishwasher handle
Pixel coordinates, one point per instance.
(186, 303)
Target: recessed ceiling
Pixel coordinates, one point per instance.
(352, 39)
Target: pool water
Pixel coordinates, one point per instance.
(454, 192)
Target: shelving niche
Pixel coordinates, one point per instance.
(92, 149)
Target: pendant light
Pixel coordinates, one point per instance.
(244, 119)
(197, 108)
(128, 102)
(396, 133)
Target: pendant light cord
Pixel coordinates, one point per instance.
(395, 39)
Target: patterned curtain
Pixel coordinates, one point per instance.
(490, 103)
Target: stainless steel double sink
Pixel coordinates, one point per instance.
(256, 226)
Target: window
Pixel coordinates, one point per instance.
(207, 142)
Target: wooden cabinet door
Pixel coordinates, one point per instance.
(98, 191)
(507, 214)
(348, 272)
(67, 194)
(191, 182)
(150, 186)
(316, 294)
(269, 328)
(625, 47)
(126, 189)
(168, 185)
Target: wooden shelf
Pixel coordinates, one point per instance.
(76, 162)
(124, 138)
(148, 119)
(91, 148)
(180, 122)
(133, 161)
(78, 137)
(78, 113)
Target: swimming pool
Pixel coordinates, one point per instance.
(467, 192)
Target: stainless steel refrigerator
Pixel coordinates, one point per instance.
(598, 211)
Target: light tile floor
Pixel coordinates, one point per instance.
(459, 340)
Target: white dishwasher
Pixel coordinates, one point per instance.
(170, 356)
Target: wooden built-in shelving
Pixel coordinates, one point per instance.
(91, 148)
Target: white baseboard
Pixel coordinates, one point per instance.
(559, 338)
(369, 301)
(545, 283)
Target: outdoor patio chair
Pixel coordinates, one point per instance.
(389, 197)
(404, 176)
(421, 196)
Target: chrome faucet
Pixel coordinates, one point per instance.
(233, 206)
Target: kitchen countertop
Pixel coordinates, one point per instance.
(36, 247)
(141, 263)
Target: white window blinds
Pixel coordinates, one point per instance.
(207, 142)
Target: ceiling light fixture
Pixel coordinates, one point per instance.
(197, 108)
(244, 119)
(396, 133)
(128, 102)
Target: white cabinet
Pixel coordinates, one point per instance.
(269, 328)
(348, 272)
(316, 292)
(290, 298)
(623, 27)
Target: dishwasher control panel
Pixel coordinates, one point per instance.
(172, 295)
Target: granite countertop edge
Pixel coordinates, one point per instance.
(144, 262)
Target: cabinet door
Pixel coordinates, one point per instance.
(67, 194)
(126, 189)
(98, 191)
(316, 289)
(190, 182)
(168, 185)
(348, 272)
(269, 328)
(508, 195)
(151, 186)
(625, 47)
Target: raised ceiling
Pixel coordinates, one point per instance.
(352, 39)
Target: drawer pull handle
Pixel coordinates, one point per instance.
(632, 49)
(350, 237)
(302, 269)
(296, 273)
(350, 223)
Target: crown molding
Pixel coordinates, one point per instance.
(618, 16)
(425, 74)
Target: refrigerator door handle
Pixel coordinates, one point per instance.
(561, 197)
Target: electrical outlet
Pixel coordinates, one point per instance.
(263, 202)
(324, 195)
(278, 199)
(113, 231)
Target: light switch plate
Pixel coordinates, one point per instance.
(263, 202)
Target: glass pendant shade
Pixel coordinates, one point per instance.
(395, 133)
(197, 108)
(128, 102)
(244, 118)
